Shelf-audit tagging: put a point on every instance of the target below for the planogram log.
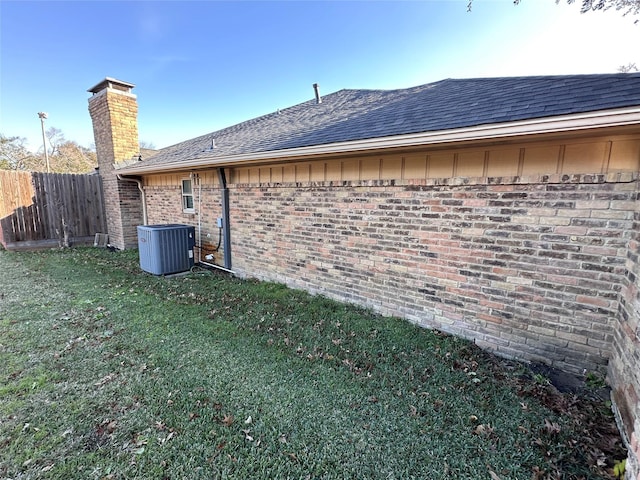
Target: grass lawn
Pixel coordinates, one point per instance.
(107, 372)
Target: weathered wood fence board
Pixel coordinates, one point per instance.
(39, 208)
(16, 190)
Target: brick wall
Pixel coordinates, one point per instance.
(624, 368)
(531, 269)
(165, 206)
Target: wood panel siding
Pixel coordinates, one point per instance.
(625, 155)
(503, 162)
(415, 166)
(579, 157)
(585, 157)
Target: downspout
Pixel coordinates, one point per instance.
(226, 239)
(144, 198)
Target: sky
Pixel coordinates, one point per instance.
(199, 66)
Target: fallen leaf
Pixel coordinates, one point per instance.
(248, 420)
(537, 473)
(227, 420)
(104, 380)
(551, 427)
(483, 429)
(140, 441)
(282, 438)
(493, 475)
(619, 468)
(164, 440)
(111, 426)
(292, 456)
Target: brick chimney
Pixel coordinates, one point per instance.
(114, 114)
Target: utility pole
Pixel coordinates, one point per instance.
(43, 117)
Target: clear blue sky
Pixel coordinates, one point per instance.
(200, 66)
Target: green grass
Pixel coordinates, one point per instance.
(107, 372)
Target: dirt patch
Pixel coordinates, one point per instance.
(568, 383)
(589, 409)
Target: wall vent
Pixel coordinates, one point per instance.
(166, 249)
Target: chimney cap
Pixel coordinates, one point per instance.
(113, 83)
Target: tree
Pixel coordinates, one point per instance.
(14, 155)
(70, 157)
(65, 156)
(626, 6)
(628, 68)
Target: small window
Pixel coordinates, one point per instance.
(187, 196)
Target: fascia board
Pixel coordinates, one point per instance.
(559, 124)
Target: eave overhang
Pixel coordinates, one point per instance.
(492, 132)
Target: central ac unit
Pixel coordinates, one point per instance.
(166, 249)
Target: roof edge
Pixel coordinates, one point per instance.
(558, 124)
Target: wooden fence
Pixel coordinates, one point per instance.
(49, 209)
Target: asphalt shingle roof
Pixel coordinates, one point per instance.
(349, 115)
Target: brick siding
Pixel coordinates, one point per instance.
(531, 270)
(624, 368)
(165, 206)
(114, 115)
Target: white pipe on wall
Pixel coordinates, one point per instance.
(144, 198)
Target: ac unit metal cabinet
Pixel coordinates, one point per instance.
(166, 249)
